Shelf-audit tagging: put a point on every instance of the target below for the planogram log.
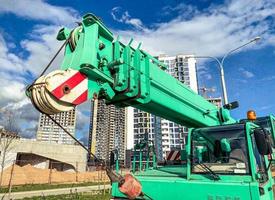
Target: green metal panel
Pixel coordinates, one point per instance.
(177, 188)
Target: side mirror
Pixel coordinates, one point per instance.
(262, 142)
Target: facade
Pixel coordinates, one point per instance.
(40, 154)
(107, 130)
(183, 68)
(50, 132)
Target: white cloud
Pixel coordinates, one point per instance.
(124, 17)
(13, 69)
(39, 46)
(246, 73)
(210, 32)
(39, 10)
(41, 50)
(203, 73)
(185, 11)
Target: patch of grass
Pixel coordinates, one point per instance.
(31, 187)
(74, 196)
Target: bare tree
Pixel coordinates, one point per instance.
(7, 135)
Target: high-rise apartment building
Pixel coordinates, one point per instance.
(183, 68)
(107, 130)
(50, 132)
(167, 135)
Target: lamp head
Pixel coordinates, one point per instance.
(256, 39)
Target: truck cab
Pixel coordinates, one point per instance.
(223, 162)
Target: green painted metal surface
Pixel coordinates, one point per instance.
(177, 188)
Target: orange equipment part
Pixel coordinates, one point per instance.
(251, 115)
(130, 186)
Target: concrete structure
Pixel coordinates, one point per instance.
(108, 130)
(50, 132)
(43, 154)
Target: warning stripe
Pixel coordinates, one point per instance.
(83, 97)
(71, 82)
(173, 155)
(76, 92)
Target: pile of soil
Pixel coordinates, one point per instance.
(31, 175)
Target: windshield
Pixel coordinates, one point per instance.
(221, 149)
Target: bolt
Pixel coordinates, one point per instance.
(101, 46)
(66, 89)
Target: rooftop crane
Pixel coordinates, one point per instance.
(226, 159)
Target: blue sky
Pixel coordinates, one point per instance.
(203, 27)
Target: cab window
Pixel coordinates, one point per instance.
(222, 149)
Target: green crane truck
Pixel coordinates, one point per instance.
(226, 159)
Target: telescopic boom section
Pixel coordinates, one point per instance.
(125, 76)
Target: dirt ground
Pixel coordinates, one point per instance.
(31, 175)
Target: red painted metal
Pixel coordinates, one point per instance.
(72, 82)
(130, 186)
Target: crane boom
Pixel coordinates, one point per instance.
(127, 76)
(225, 155)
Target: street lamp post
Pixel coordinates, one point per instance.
(220, 64)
